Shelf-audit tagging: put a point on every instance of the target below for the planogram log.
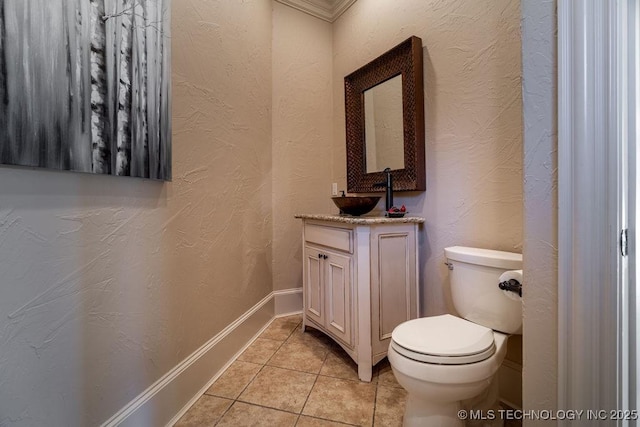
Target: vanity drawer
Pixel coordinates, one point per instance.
(338, 238)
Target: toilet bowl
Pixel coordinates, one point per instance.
(439, 378)
(445, 362)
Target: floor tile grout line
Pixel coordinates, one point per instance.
(295, 413)
(310, 373)
(298, 370)
(224, 413)
(292, 413)
(330, 420)
(312, 386)
(259, 406)
(375, 403)
(252, 379)
(268, 407)
(264, 365)
(249, 383)
(329, 376)
(299, 415)
(245, 387)
(309, 395)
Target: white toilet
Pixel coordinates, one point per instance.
(444, 361)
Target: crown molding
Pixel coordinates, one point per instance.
(327, 10)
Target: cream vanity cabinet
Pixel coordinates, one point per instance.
(360, 280)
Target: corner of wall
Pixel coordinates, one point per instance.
(540, 304)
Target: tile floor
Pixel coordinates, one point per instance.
(290, 378)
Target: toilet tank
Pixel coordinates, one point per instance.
(474, 276)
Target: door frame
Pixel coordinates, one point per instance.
(593, 315)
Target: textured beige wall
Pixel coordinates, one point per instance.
(107, 283)
(473, 115)
(302, 132)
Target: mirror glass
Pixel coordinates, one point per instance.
(384, 121)
(384, 133)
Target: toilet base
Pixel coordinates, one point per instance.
(487, 404)
(420, 413)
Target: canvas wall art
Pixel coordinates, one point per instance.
(85, 85)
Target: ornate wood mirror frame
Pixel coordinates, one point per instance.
(406, 60)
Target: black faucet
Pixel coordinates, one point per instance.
(388, 202)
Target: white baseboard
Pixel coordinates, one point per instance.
(166, 400)
(288, 301)
(199, 394)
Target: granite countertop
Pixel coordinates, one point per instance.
(361, 220)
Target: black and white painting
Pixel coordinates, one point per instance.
(85, 85)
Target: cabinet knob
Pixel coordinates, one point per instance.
(325, 256)
(319, 256)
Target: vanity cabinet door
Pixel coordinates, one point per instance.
(337, 283)
(313, 287)
(393, 283)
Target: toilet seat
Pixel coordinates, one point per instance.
(443, 340)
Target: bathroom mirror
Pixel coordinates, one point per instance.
(384, 112)
(383, 129)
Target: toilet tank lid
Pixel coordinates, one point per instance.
(487, 257)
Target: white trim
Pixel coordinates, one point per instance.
(287, 302)
(361, 301)
(628, 57)
(625, 55)
(340, 7)
(630, 292)
(588, 205)
(209, 383)
(565, 196)
(227, 345)
(326, 10)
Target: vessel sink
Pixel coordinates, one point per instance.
(355, 205)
